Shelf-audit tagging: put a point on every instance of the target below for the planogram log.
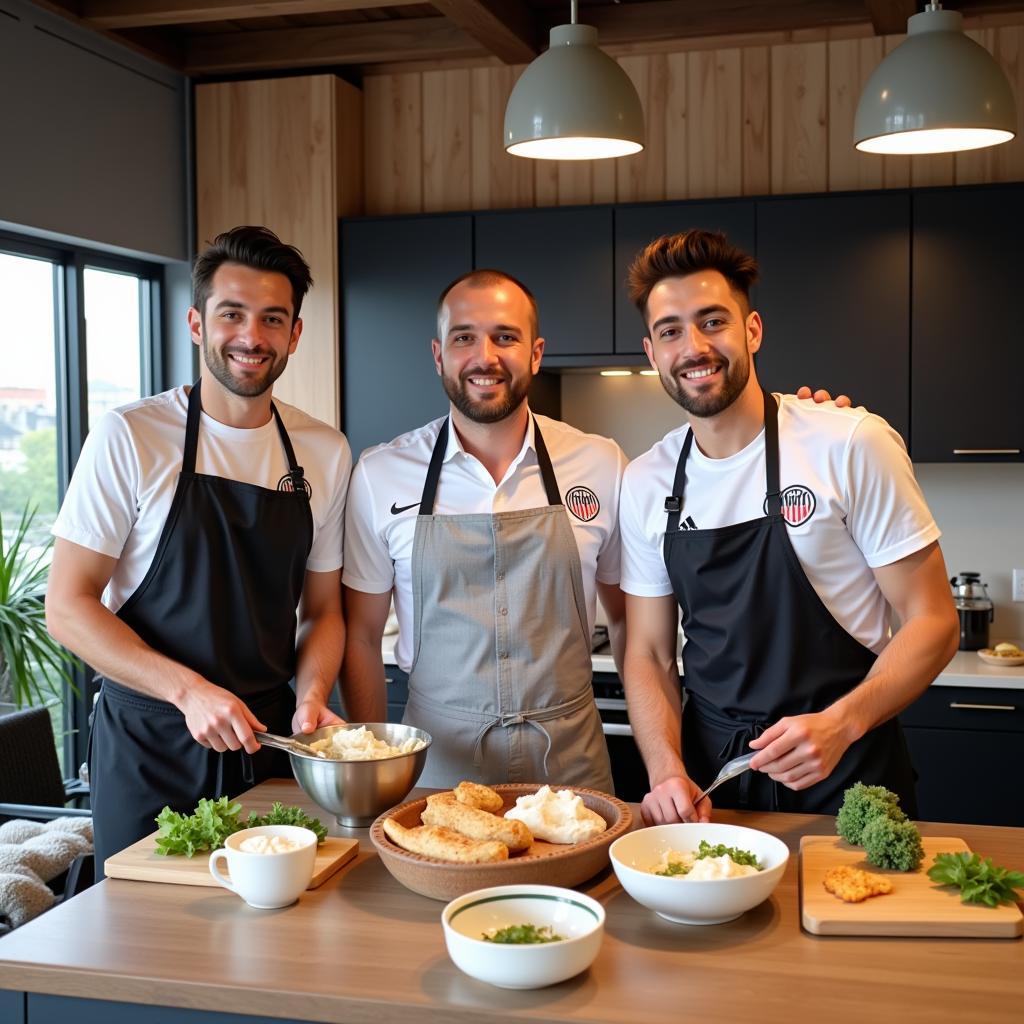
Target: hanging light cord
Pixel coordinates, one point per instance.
(573, 7)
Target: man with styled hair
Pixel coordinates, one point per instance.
(198, 557)
(787, 533)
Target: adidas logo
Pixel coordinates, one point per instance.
(687, 524)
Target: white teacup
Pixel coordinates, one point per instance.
(267, 880)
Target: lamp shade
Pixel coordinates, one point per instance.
(573, 103)
(937, 92)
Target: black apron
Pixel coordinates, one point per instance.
(219, 597)
(760, 645)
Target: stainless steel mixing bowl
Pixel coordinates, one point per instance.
(356, 792)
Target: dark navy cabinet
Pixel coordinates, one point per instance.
(564, 257)
(392, 271)
(965, 390)
(835, 298)
(966, 745)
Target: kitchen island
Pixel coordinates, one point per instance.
(363, 949)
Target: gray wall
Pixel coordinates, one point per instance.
(94, 138)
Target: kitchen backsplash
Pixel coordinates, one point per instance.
(979, 508)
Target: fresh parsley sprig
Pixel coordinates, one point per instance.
(979, 880)
(281, 815)
(705, 849)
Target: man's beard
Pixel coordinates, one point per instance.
(715, 399)
(485, 411)
(247, 387)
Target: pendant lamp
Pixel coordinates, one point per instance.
(937, 92)
(573, 102)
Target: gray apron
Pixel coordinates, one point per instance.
(501, 670)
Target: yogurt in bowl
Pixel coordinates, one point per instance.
(702, 890)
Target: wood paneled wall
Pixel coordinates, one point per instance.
(725, 121)
(287, 153)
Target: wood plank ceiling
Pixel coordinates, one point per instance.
(217, 38)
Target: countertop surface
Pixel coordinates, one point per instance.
(364, 949)
(966, 669)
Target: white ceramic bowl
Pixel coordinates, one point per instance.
(697, 901)
(578, 918)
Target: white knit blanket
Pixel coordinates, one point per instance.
(31, 854)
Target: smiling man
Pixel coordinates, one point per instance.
(200, 528)
(788, 533)
(495, 529)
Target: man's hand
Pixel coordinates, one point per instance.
(672, 800)
(821, 395)
(216, 718)
(801, 750)
(311, 715)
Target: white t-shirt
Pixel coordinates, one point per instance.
(387, 485)
(849, 497)
(126, 476)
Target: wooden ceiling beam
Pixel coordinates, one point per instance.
(507, 28)
(117, 14)
(365, 43)
(889, 17)
(651, 20)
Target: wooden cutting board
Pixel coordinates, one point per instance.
(141, 863)
(916, 906)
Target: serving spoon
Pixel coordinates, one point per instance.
(269, 739)
(737, 766)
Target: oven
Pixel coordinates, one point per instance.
(628, 770)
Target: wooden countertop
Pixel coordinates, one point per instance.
(363, 949)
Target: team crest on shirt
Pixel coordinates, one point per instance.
(798, 504)
(287, 484)
(582, 503)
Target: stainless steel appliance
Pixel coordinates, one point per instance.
(974, 608)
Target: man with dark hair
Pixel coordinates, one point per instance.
(787, 532)
(200, 538)
(495, 528)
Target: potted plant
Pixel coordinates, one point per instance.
(33, 666)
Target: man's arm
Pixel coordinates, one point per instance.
(363, 688)
(655, 709)
(77, 618)
(803, 749)
(321, 646)
(613, 601)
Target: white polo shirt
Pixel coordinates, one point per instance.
(122, 487)
(387, 485)
(849, 498)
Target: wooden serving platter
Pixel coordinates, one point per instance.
(917, 906)
(542, 864)
(141, 863)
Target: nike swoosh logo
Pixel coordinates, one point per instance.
(395, 510)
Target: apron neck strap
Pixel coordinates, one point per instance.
(674, 503)
(771, 454)
(195, 408)
(547, 471)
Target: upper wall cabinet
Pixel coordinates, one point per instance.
(966, 391)
(392, 271)
(635, 226)
(834, 297)
(564, 258)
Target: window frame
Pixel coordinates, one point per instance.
(70, 262)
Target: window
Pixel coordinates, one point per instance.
(79, 335)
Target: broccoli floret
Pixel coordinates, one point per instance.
(863, 803)
(892, 844)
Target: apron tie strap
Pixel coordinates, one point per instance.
(533, 718)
